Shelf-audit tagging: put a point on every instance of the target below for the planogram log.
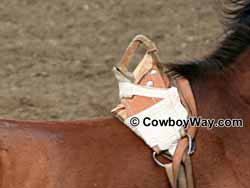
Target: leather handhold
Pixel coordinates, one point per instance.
(143, 67)
(146, 71)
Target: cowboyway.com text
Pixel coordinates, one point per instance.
(192, 121)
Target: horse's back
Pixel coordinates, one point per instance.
(98, 153)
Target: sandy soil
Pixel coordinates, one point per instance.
(56, 56)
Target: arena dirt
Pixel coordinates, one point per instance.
(56, 56)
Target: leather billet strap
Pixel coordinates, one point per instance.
(186, 94)
(181, 158)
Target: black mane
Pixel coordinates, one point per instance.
(237, 40)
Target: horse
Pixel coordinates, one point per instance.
(104, 153)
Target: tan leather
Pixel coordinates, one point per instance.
(157, 149)
(130, 51)
(141, 76)
(137, 104)
(180, 155)
(180, 170)
(120, 112)
(182, 180)
(169, 172)
(189, 171)
(186, 94)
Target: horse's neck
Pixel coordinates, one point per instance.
(227, 94)
(221, 97)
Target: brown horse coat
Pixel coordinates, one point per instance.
(105, 153)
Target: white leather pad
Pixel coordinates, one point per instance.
(165, 137)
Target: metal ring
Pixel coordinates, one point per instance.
(191, 150)
(191, 145)
(157, 161)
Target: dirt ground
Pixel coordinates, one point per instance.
(56, 56)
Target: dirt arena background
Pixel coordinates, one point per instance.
(56, 56)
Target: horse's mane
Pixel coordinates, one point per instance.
(235, 41)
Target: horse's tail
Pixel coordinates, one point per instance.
(237, 12)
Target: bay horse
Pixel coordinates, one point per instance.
(104, 153)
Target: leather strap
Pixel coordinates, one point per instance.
(189, 171)
(186, 94)
(181, 159)
(130, 51)
(180, 171)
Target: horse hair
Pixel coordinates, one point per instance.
(236, 41)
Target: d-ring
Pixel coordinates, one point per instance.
(157, 161)
(191, 145)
